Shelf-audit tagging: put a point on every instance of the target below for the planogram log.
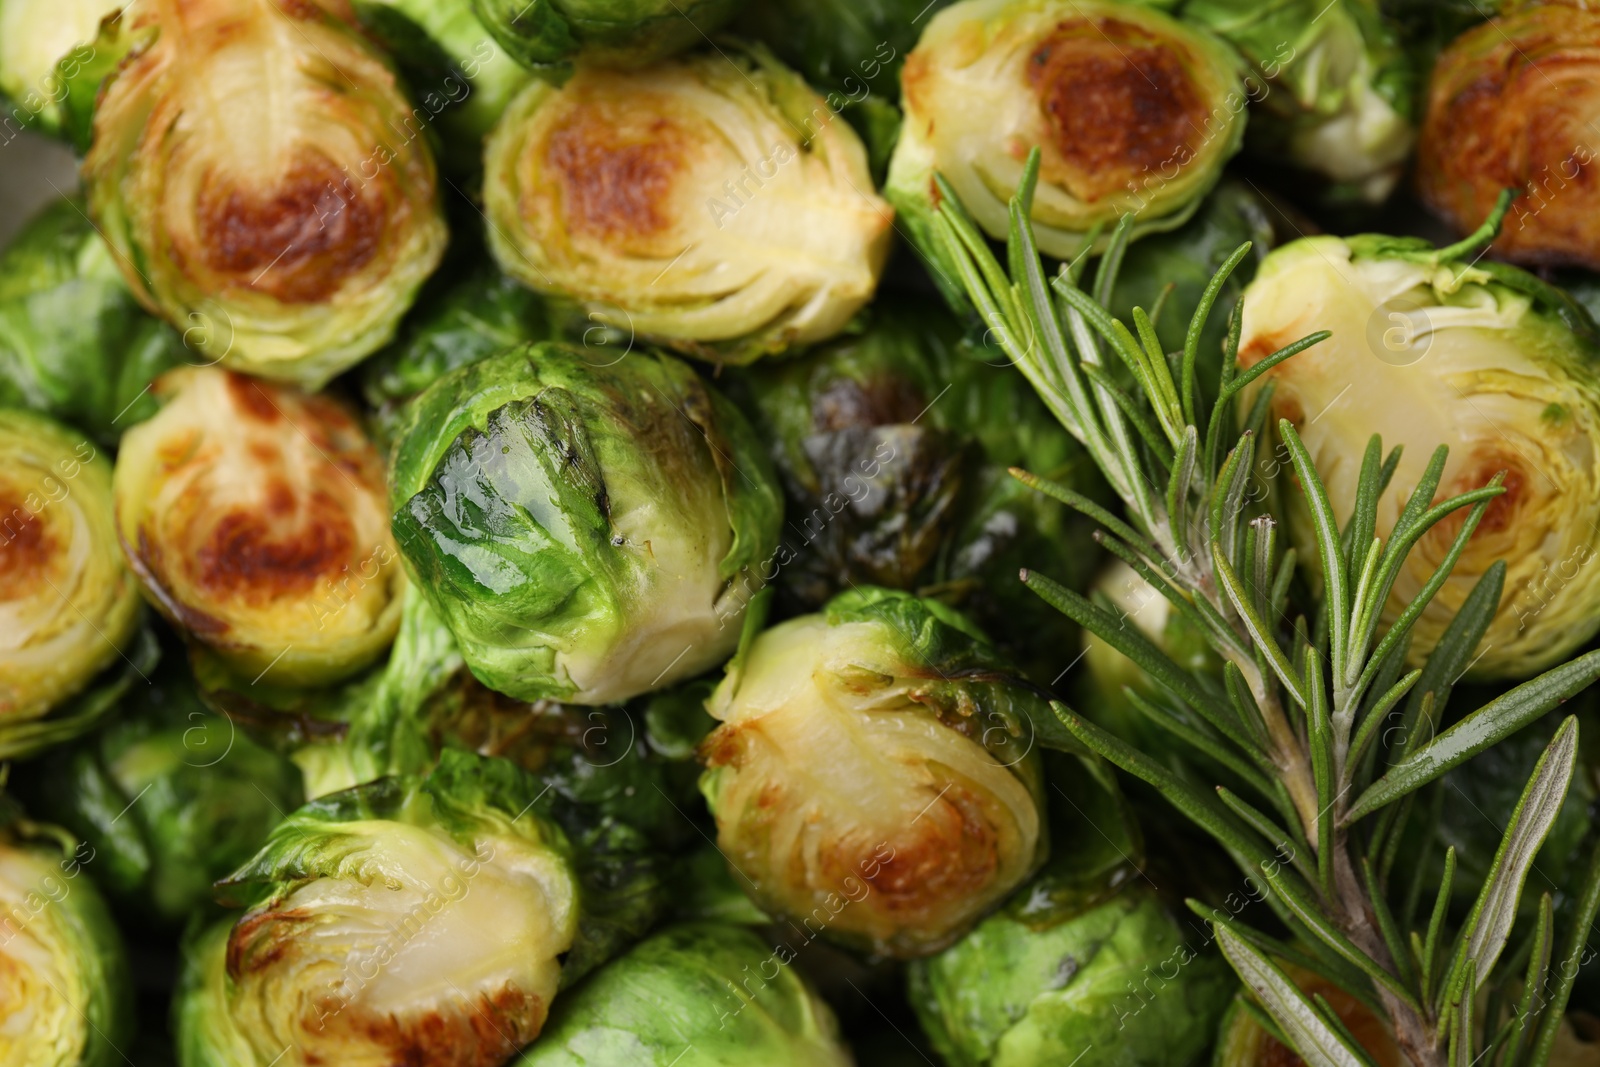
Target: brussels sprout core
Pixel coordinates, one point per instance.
(285, 229)
(851, 783)
(1426, 354)
(67, 602)
(254, 515)
(1133, 111)
(416, 945)
(720, 207)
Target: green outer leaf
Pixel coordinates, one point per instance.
(1318, 1044)
(1497, 719)
(1485, 934)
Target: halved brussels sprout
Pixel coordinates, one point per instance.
(549, 36)
(472, 319)
(68, 606)
(412, 920)
(873, 777)
(693, 995)
(254, 516)
(1427, 350)
(1512, 103)
(893, 444)
(1133, 111)
(171, 796)
(73, 341)
(1118, 984)
(64, 977)
(264, 183)
(34, 38)
(711, 203)
(588, 532)
(461, 78)
(1332, 87)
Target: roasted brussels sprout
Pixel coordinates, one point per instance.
(68, 606)
(170, 796)
(1511, 104)
(893, 444)
(460, 78)
(73, 342)
(586, 531)
(1332, 88)
(285, 231)
(873, 777)
(1133, 111)
(1119, 983)
(42, 48)
(711, 203)
(549, 36)
(254, 516)
(477, 317)
(692, 995)
(411, 920)
(63, 973)
(1429, 349)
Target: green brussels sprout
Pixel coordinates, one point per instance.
(1133, 111)
(64, 976)
(253, 515)
(42, 47)
(851, 47)
(1332, 87)
(477, 317)
(460, 77)
(1429, 349)
(1119, 983)
(1511, 104)
(68, 606)
(873, 777)
(284, 230)
(170, 796)
(550, 36)
(412, 920)
(711, 203)
(694, 995)
(73, 341)
(893, 445)
(582, 529)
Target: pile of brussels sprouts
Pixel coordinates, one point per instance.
(647, 532)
